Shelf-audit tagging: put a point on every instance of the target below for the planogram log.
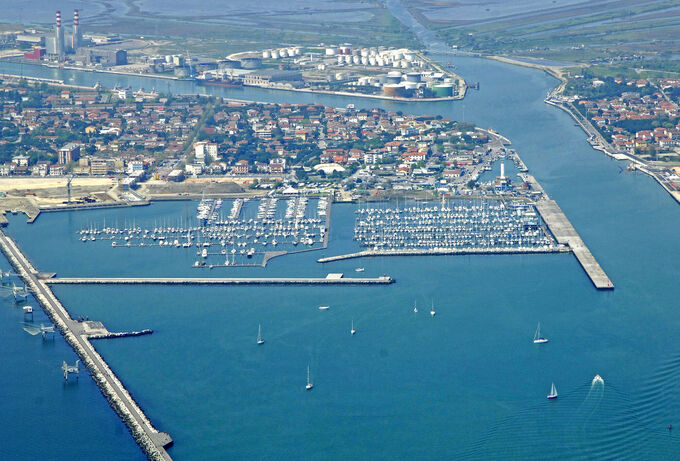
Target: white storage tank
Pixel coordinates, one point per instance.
(296, 50)
(364, 60)
(331, 51)
(356, 59)
(168, 58)
(291, 52)
(380, 61)
(364, 52)
(341, 59)
(413, 77)
(274, 54)
(348, 59)
(266, 54)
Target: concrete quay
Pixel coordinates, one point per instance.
(564, 233)
(151, 441)
(331, 279)
(444, 251)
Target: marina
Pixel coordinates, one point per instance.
(250, 235)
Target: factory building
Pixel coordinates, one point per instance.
(269, 77)
(105, 57)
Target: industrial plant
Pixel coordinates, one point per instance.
(69, 46)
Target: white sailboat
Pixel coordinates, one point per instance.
(259, 335)
(309, 385)
(352, 331)
(538, 339)
(432, 312)
(553, 392)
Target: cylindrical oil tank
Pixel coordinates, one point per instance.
(413, 77)
(331, 51)
(266, 54)
(364, 60)
(356, 59)
(393, 90)
(275, 54)
(443, 90)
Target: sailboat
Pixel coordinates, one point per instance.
(309, 385)
(259, 335)
(415, 307)
(538, 339)
(553, 392)
(432, 312)
(352, 331)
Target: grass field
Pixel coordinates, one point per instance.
(572, 30)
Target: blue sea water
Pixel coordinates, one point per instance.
(466, 384)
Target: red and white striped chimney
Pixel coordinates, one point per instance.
(75, 17)
(58, 18)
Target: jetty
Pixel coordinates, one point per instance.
(152, 441)
(564, 233)
(330, 279)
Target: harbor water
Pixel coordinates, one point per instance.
(467, 383)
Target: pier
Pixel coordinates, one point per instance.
(150, 440)
(443, 251)
(330, 279)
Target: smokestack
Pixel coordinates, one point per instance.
(502, 170)
(59, 37)
(76, 39)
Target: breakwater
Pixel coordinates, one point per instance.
(122, 334)
(331, 279)
(150, 440)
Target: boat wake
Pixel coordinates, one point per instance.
(593, 421)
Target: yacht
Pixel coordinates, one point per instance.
(415, 307)
(324, 308)
(553, 392)
(260, 341)
(538, 339)
(598, 380)
(432, 312)
(352, 331)
(309, 385)
(359, 269)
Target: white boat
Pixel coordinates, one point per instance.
(553, 392)
(432, 312)
(598, 379)
(309, 385)
(28, 309)
(359, 269)
(415, 307)
(352, 331)
(204, 253)
(538, 339)
(324, 308)
(259, 335)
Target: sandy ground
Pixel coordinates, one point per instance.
(30, 183)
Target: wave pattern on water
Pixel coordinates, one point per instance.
(594, 421)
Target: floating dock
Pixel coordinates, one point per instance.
(444, 251)
(150, 440)
(330, 279)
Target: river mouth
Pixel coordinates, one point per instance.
(464, 384)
